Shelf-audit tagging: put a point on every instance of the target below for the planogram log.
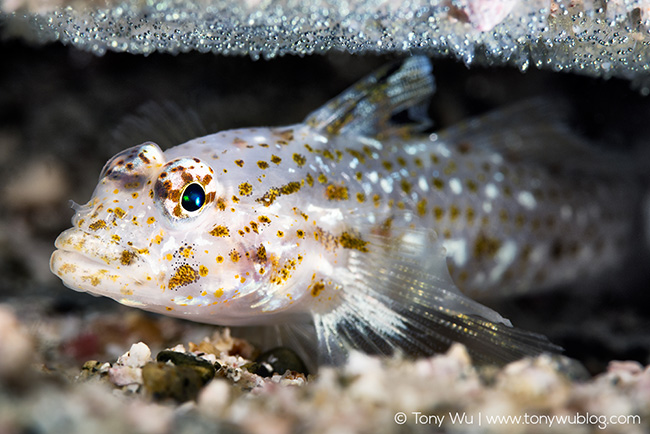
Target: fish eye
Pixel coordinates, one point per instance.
(184, 189)
(193, 197)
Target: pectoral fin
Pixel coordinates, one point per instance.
(399, 297)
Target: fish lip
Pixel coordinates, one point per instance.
(68, 263)
(85, 262)
(85, 245)
(72, 253)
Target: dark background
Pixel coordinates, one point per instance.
(63, 113)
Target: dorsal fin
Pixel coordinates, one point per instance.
(536, 131)
(366, 107)
(167, 123)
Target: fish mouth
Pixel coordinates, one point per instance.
(87, 262)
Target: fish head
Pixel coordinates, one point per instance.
(164, 235)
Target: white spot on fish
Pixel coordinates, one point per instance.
(415, 149)
(329, 216)
(443, 150)
(386, 185)
(566, 212)
(527, 200)
(491, 191)
(455, 185)
(538, 254)
(496, 159)
(505, 256)
(423, 184)
(457, 251)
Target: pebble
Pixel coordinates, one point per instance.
(278, 360)
(214, 397)
(127, 370)
(180, 383)
(16, 346)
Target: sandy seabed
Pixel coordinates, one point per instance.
(212, 385)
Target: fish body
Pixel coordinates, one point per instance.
(354, 230)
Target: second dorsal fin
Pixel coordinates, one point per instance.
(366, 107)
(537, 131)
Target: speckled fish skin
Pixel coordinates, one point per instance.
(366, 233)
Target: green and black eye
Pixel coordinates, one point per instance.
(185, 189)
(193, 197)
